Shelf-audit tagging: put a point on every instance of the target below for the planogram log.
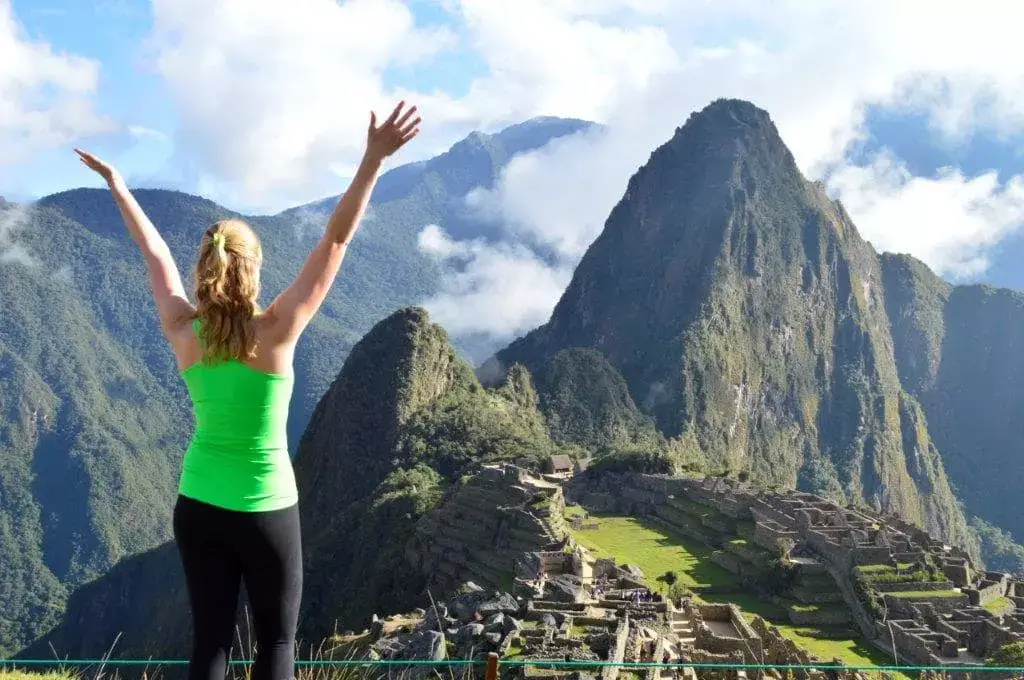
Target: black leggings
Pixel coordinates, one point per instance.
(220, 549)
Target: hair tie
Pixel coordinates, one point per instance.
(218, 240)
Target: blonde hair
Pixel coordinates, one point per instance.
(227, 286)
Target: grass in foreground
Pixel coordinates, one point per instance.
(9, 674)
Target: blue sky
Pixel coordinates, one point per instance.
(131, 91)
(909, 111)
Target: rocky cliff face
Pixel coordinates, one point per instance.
(958, 352)
(744, 310)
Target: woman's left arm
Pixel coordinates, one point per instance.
(171, 301)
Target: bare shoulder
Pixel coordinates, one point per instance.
(276, 348)
(184, 343)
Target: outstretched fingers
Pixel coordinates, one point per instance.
(400, 123)
(410, 130)
(394, 114)
(92, 162)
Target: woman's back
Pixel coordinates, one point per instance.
(237, 518)
(238, 458)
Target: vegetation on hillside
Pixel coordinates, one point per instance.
(587, 402)
(998, 549)
(89, 431)
(430, 423)
(956, 351)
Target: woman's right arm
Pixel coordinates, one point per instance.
(292, 310)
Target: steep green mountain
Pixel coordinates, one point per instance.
(746, 314)
(95, 415)
(407, 418)
(90, 433)
(588, 403)
(404, 420)
(958, 351)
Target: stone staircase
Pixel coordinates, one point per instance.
(682, 635)
(682, 627)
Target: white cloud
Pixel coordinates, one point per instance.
(272, 101)
(13, 218)
(140, 132)
(270, 94)
(563, 58)
(947, 222)
(17, 254)
(45, 97)
(497, 290)
(273, 98)
(814, 66)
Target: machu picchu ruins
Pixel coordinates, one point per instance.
(512, 578)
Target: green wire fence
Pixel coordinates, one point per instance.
(15, 663)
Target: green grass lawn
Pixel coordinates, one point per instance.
(867, 569)
(818, 607)
(656, 550)
(925, 594)
(998, 605)
(574, 511)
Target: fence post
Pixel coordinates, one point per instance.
(492, 667)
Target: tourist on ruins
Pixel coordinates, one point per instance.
(237, 518)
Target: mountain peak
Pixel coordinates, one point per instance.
(403, 363)
(727, 290)
(730, 143)
(471, 162)
(737, 111)
(723, 189)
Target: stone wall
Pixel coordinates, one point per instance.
(919, 644)
(902, 607)
(739, 638)
(531, 565)
(991, 586)
(619, 650)
(977, 630)
(484, 527)
(922, 586)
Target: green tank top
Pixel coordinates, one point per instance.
(238, 457)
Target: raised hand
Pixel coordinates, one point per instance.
(101, 168)
(393, 133)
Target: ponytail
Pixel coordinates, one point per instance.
(227, 286)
